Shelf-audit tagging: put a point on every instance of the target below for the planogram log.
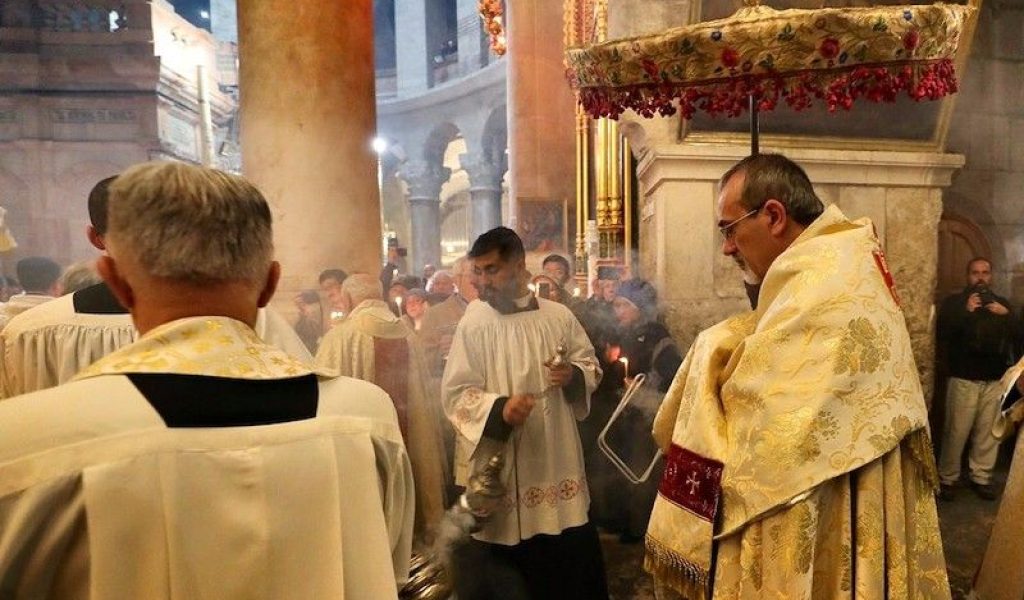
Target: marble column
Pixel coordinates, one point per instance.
(484, 192)
(541, 109)
(307, 119)
(412, 50)
(425, 180)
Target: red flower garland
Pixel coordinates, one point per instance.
(491, 11)
(730, 97)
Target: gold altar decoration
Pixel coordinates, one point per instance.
(603, 160)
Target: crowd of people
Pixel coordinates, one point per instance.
(164, 433)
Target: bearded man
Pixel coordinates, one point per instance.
(798, 461)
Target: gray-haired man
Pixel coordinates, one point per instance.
(220, 465)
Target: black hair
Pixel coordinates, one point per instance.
(775, 176)
(978, 259)
(37, 273)
(99, 196)
(502, 239)
(558, 258)
(335, 274)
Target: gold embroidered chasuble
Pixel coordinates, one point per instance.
(796, 439)
(212, 510)
(374, 345)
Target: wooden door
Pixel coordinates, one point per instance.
(960, 240)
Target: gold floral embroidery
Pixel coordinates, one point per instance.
(862, 348)
(200, 346)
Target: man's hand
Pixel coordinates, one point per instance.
(560, 375)
(973, 302)
(517, 408)
(997, 308)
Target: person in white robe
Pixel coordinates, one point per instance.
(375, 345)
(506, 385)
(49, 343)
(40, 279)
(200, 462)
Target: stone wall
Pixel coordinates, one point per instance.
(988, 129)
(681, 249)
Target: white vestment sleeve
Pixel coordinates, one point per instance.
(275, 330)
(399, 498)
(467, 404)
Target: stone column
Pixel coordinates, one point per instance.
(541, 109)
(307, 120)
(472, 48)
(425, 180)
(484, 192)
(411, 47)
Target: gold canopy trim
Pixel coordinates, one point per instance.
(796, 55)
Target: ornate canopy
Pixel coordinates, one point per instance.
(795, 56)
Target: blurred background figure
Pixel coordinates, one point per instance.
(428, 271)
(334, 307)
(40, 278)
(646, 347)
(440, 286)
(548, 287)
(558, 268)
(310, 324)
(395, 265)
(79, 276)
(414, 306)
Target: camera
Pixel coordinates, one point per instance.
(544, 289)
(985, 295)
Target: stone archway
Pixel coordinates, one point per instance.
(960, 240)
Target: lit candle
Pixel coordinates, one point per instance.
(625, 365)
(398, 303)
(532, 288)
(576, 292)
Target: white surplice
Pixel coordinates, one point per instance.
(100, 499)
(20, 303)
(495, 355)
(47, 345)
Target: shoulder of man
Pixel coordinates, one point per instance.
(72, 413)
(346, 396)
(58, 311)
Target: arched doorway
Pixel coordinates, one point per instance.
(960, 240)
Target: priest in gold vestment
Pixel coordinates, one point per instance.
(798, 457)
(373, 344)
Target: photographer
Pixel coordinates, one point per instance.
(976, 335)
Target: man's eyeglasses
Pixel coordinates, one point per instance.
(729, 229)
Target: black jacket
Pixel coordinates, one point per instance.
(975, 345)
